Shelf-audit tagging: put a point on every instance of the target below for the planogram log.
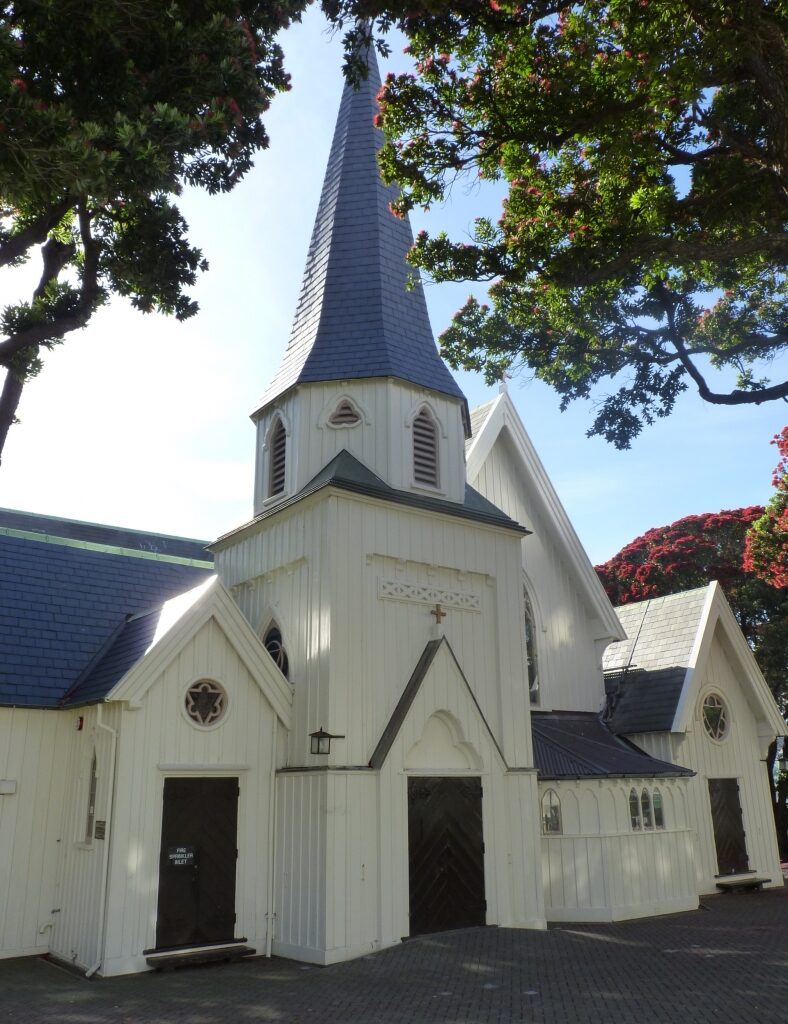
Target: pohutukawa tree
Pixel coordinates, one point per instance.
(691, 552)
(108, 109)
(642, 245)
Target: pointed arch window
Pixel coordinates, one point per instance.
(277, 447)
(345, 415)
(530, 649)
(425, 449)
(634, 810)
(90, 817)
(551, 814)
(273, 644)
(645, 806)
(659, 813)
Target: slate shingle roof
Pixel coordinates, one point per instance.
(64, 597)
(577, 745)
(356, 316)
(645, 673)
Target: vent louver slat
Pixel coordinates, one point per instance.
(278, 452)
(345, 415)
(425, 450)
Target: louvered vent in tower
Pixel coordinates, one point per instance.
(425, 449)
(345, 415)
(278, 448)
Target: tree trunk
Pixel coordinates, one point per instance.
(9, 402)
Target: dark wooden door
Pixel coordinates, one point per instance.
(446, 852)
(197, 863)
(729, 835)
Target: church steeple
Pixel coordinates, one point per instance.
(356, 316)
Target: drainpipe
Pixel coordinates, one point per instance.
(107, 839)
(269, 931)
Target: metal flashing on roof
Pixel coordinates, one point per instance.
(346, 473)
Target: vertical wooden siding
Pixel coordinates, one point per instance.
(570, 676)
(33, 754)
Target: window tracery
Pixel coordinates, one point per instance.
(530, 649)
(551, 813)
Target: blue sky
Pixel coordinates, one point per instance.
(142, 422)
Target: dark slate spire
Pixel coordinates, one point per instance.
(356, 317)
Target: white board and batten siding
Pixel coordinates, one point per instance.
(158, 740)
(33, 759)
(351, 583)
(567, 645)
(736, 756)
(391, 566)
(443, 734)
(599, 869)
(76, 933)
(355, 822)
(381, 440)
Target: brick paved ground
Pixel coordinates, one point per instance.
(727, 964)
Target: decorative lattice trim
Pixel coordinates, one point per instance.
(396, 590)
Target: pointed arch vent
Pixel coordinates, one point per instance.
(425, 449)
(345, 415)
(278, 451)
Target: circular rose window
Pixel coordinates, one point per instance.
(206, 702)
(715, 716)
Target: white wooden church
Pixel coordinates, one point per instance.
(402, 704)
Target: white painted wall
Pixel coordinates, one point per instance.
(342, 853)
(382, 441)
(157, 741)
(568, 630)
(737, 756)
(321, 568)
(599, 869)
(33, 745)
(76, 933)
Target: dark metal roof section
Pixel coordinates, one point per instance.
(345, 472)
(64, 600)
(357, 317)
(577, 745)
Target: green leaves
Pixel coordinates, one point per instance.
(647, 177)
(108, 109)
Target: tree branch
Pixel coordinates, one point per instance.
(734, 397)
(34, 234)
(41, 334)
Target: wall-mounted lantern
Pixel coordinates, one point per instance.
(320, 741)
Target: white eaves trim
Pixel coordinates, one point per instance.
(185, 616)
(755, 688)
(503, 414)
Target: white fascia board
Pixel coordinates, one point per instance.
(504, 414)
(215, 603)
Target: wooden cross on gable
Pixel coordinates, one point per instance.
(439, 614)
